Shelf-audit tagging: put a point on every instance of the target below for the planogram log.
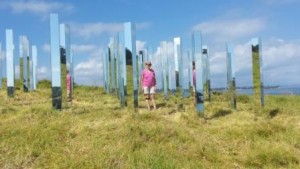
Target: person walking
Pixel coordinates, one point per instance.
(148, 84)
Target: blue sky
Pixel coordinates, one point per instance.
(221, 22)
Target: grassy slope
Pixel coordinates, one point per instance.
(96, 133)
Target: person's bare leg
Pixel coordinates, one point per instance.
(147, 98)
(153, 100)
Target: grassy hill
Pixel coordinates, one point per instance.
(96, 133)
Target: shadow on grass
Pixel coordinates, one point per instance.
(172, 112)
(273, 113)
(7, 110)
(159, 105)
(219, 113)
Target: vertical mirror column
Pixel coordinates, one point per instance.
(231, 75)
(30, 70)
(185, 74)
(197, 54)
(34, 66)
(207, 72)
(140, 60)
(130, 45)
(55, 62)
(112, 59)
(1, 66)
(178, 63)
(69, 59)
(66, 69)
(122, 62)
(163, 55)
(157, 67)
(171, 69)
(10, 63)
(24, 64)
(258, 89)
(105, 83)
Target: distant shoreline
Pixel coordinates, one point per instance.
(248, 87)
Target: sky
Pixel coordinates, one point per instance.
(93, 22)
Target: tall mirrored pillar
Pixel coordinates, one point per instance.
(231, 75)
(122, 62)
(10, 63)
(130, 45)
(65, 54)
(258, 85)
(1, 66)
(107, 61)
(112, 59)
(24, 64)
(207, 72)
(34, 66)
(177, 59)
(55, 62)
(171, 69)
(69, 57)
(163, 55)
(197, 54)
(185, 74)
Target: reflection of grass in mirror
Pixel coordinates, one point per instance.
(64, 84)
(97, 133)
(256, 79)
(21, 73)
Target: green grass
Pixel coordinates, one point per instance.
(96, 133)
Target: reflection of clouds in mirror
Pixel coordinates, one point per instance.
(221, 30)
(9, 58)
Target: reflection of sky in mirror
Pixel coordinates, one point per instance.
(34, 60)
(9, 58)
(1, 65)
(55, 51)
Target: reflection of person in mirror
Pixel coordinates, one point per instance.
(194, 77)
(148, 84)
(194, 81)
(69, 87)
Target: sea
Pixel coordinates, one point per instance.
(281, 90)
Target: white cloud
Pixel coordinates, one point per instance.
(228, 30)
(243, 56)
(140, 45)
(83, 48)
(43, 73)
(17, 71)
(167, 48)
(2, 55)
(217, 61)
(89, 30)
(90, 71)
(46, 48)
(276, 2)
(36, 6)
(280, 63)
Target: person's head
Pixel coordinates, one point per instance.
(148, 64)
(67, 71)
(194, 67)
